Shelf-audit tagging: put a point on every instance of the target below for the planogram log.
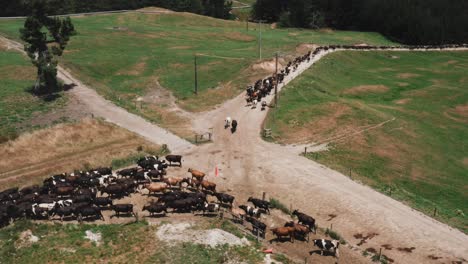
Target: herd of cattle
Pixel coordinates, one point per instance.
(83, 195)
(263, 87)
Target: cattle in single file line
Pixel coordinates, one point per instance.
(251, 211)
(300, 231)
(306, 220)
(197, 174)
(325, 245)
(258, 227)
(260, 203)
(224, 198)
(282, 232)
(174, 158)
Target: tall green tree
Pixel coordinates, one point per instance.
(46, 38)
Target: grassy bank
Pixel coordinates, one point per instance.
(394, 120)
(129, 243)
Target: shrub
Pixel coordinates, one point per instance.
(274, 203)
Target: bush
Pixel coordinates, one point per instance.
(335, 235)
(274, 203)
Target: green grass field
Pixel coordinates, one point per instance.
(123, 55)
(17, 106)
(130, 243)
(420, 157)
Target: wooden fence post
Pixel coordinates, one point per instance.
(380, 254)
(305, 150)
(196, 138)
(263, 196)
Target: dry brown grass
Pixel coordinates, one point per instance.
(14, 72)
(407, 75)
(403, 101)
(239, 36)
(458, 113)
(64, 148)
(366, 89)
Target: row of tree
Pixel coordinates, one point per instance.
(214, 8)
(407, 21)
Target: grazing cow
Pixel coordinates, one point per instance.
(83, 198)
(284, 232)
(174, 158)
(102, 201)
(306, 220)
(327, 245)
(260, 203)
(227, 122)
(251, 211)
(208, 186)
(126, 209)
(258, 227)
(197, 174)
(301, 231)
(154, 174)
(155, 187)
(183, 205)
(224, 198)
(155, 209)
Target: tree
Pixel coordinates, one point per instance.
(46, 39)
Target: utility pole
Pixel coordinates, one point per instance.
(260, 43)
(196, 77)
(276, 80)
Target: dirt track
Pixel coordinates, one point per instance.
(248, 166)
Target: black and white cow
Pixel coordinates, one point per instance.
(251, 211)
(327, 245)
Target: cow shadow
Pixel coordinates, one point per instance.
(281, 240)
(123, 215)
(162, 215)
(325, 253)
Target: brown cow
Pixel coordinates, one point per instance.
(208, 186)
(64, 190)
(284, 232)
(197, 174)
(301, 231)
(155, 187)
(173, 181)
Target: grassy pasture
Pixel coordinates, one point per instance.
(125, 55)
(17, 106)
(420, 157)
(129, 243)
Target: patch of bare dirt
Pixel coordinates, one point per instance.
(155, 9)
(326, 30)
(361, 45)
(268, 66)
(465, 161)
(75, 110)
(458, 113)
(403, 101)
(407, 75)
(366, 89)
(26, 239)
(305, 47)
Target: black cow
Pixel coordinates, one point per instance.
(327, 245)
(63, 212)
(260, 203)
(155, 209)
(224, 198)
(210, 207)
(233, 126)
(258, 228)
(86, 212)
(102, 201)
(126, 209)
(174, 158)
(306, 220)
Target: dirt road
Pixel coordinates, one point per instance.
(249, 166)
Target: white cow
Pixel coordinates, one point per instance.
(227, 122)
